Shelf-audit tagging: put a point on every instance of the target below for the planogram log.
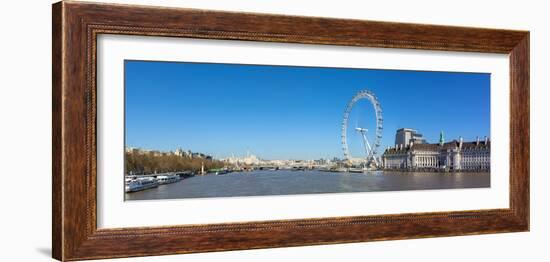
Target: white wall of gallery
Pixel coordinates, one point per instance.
(25, 133)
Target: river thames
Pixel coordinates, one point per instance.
(285, 182)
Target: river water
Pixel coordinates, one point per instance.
(285, 182)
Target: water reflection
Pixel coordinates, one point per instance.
(261, 183)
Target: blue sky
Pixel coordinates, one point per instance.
(283, 112)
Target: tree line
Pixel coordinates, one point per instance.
(148, 163)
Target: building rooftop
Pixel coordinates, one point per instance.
(406, 129)
(437, 147)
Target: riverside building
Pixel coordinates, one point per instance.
(406, 135)
(448, 156)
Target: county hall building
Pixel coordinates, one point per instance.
(411, 152)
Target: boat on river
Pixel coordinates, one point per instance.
(141, 184)
(168, 179)
(219, 171)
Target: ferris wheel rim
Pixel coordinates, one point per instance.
(368, 95)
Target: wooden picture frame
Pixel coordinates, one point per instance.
(76, 26)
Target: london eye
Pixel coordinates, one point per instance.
(369, 148)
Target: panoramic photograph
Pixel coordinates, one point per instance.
(202, 130)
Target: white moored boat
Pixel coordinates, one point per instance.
(168, 179)
(141, 184)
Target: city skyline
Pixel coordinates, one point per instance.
(283, 112)
(249, 153)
